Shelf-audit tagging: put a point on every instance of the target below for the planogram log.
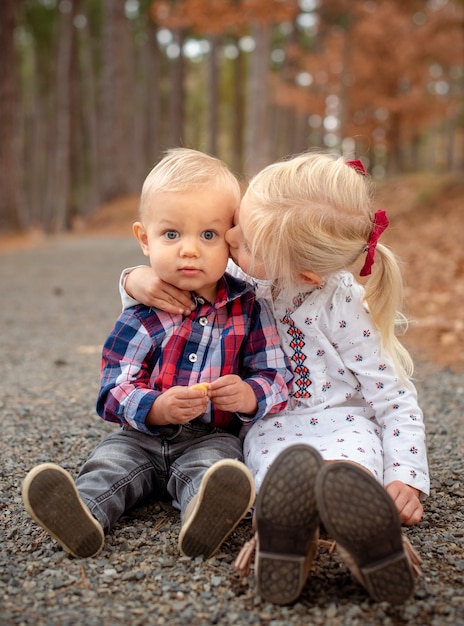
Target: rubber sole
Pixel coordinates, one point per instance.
(226, 494)
(360, 516)
(52, 500)
(287, 521)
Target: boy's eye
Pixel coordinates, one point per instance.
(171, 234)
(209, 234)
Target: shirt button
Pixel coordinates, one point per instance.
(193, 358)
(200, 300)
(203, 321)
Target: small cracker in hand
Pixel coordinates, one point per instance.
(201, 387)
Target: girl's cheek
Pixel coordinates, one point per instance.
(233, 255)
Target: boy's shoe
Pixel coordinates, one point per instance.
(287, 524)
(226, 494)
(363, 520)
(52, 500)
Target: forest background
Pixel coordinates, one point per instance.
(93, 91)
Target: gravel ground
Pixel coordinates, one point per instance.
(59, 302)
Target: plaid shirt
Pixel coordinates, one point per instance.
(150, 351)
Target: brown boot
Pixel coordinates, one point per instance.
(413, 557)
(287, 524)
(363, 520)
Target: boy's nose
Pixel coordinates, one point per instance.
(189, 247)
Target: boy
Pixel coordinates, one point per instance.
(175, 440)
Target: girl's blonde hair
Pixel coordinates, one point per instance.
(184, 169)
(314, 213)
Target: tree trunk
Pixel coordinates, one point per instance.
(257, 129)
(345, 83)
(37, 106)
(450, 135)
(88, 112)
(58, 193)
(10, 183)
(395, 155)
(238, 112)
(116, 137)
(177, 95)
(213, 89)
(152, 63)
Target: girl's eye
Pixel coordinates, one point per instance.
(171, 234)
(246, 247)
(209, 235)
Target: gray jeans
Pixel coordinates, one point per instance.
(128, 467)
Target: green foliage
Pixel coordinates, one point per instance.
(40, 19)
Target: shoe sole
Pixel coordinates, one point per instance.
(52, 500)
(286, 521)
(360, 515)
(226, 494)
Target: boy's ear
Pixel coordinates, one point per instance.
(141, 236)
(310, 278)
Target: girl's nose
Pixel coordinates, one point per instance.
(231, 236)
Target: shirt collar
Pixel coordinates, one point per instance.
(229, 289)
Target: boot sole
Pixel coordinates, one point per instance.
(286, 520)
(52, 500)
(360, 515)
(226, 494)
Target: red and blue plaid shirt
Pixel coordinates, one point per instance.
(149, 351)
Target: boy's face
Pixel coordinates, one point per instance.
(238, 238)
(183, 234)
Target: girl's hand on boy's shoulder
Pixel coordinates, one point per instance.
(406, 499)
(231, 393)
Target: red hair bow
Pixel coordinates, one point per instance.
(358, 166)
(380, 224)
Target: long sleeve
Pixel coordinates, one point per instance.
(126, 300)
(129, 355)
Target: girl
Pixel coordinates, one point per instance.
(303, 223)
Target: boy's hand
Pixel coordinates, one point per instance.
(143, 285)
(178, 405)
(406, 499)
(231, 393)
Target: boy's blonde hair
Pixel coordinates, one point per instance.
(314, 213)
(184, 169)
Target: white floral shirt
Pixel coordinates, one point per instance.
(347, 398)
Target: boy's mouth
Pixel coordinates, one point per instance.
(189, 271)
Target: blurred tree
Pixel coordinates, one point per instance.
(152, 107)
(84, 111)
(257, 125)
(56, 213)
(177, 98)
(213, 89)
(11, 201)
(254, 18)
(367, 77)
(37, 103)
(118, 112)
(92, 91)
(237, 102)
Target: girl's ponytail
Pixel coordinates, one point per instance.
(384, 297)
